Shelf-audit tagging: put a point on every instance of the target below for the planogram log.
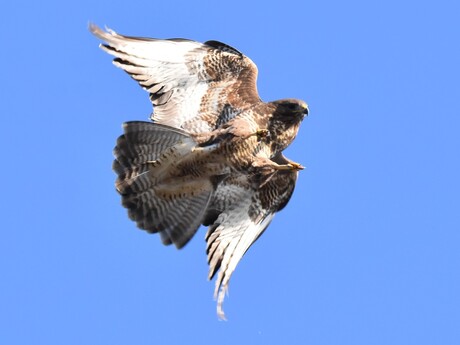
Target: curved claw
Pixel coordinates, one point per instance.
(290, 166)
(262, 133)
(296, 166)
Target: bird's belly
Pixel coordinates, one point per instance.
(240, 153)
(235, 154)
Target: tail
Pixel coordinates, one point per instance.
(145, 155)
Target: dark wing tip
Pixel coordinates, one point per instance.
(224, 47)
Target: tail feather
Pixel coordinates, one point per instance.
(145, 141)
(176, 219)
(183, 221)
(134, 181)
(145, 155)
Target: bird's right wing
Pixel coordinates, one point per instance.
(241, 209)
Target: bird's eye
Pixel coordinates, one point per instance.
(292, 106)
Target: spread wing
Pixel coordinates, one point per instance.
(241, 209)
(194, 86)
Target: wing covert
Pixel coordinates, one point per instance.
(190, 83)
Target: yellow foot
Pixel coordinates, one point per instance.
(263, 133)
(290, 166)
(296, 166)
(260, 134)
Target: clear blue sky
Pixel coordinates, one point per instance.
(368, 249)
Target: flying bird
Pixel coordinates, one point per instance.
(212, 154)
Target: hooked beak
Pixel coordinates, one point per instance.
(305, 110)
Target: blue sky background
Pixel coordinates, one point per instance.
(368, 249)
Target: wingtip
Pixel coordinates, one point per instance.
(221, 315)
(220, 309)
(100, 33)
(94, 29)
(219, 293)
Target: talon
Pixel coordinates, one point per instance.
(290, 166)
(262, 133)
(296, 166)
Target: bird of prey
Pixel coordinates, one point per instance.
(212, 154)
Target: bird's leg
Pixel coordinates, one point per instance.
(267, 164)
(208, 148)
(242, 128)
(205, 138)
(290, 166)
(209, 141)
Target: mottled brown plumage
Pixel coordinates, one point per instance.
(213, 153)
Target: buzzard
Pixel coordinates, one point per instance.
(212, 154)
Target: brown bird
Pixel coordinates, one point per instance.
(212, 154)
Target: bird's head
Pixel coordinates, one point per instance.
(285, 121)
(290, 107)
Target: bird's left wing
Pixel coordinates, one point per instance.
(241, 209)
(193, 86)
